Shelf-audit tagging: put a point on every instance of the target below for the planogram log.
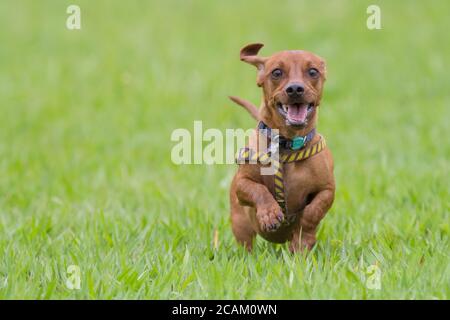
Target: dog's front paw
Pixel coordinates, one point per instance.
(269, 217)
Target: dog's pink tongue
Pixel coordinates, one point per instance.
(297, 113)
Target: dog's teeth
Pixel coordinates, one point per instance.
(285, 108)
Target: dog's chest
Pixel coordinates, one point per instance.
(299, 183)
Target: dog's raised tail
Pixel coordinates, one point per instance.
(250, 107)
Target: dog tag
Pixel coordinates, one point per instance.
(297, 143)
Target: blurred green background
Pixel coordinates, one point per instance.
(86, 177)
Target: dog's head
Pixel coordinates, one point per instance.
(292, 83)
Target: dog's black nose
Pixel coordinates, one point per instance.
(294, 90)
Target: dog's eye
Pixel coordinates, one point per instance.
(313, 73)
(277, 73)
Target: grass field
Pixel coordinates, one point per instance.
(86, 177)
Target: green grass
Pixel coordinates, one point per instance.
(85, 170)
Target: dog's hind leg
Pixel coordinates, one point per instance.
(241, 224)
(242, 230)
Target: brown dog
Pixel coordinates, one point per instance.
(292, 83)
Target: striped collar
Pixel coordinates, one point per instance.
(248, 155)
(296, 143)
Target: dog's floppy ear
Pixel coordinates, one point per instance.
(249, 55)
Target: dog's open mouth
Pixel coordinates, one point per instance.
(296, 114)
